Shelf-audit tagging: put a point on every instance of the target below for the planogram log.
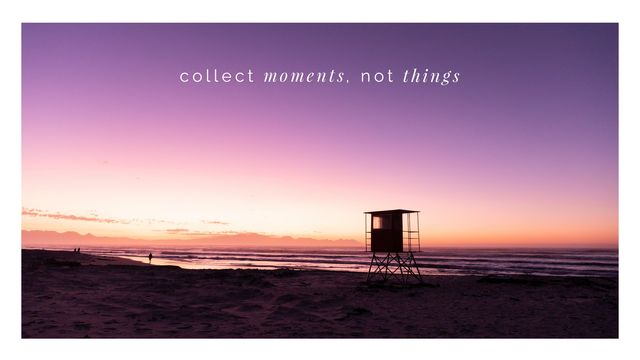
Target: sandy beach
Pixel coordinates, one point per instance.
(71, 295)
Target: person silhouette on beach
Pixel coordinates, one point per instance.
(150, 257)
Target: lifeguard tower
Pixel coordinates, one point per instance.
(392, 236)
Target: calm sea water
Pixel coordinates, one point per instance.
(559, 262)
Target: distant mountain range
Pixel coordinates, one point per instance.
(40, 238)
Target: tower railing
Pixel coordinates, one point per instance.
(410, 237)
(367, 233)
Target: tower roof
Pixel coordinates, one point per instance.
(394, 211)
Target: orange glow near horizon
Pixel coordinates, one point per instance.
(436, 231)
(127, 203)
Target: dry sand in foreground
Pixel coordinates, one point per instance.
(65, 294)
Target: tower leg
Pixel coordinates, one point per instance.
(370, 266)
(414, 264)
(399, 260)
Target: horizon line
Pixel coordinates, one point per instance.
(278, 241)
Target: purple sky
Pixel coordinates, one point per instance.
(522, 150)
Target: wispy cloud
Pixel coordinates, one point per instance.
(215, 222)
(176, 231)
(172, 227)
(94, 217)
(60, 216)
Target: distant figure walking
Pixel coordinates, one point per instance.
(150, 257)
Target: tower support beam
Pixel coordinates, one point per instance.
(397, 267)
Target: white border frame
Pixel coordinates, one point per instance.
(621, 12)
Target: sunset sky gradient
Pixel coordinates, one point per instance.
(523, 151)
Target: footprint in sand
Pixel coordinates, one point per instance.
(249, 308)
(81, 326)
(282, 299)
(354, 312)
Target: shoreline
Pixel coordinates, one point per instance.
(71, 295)
(457, 262)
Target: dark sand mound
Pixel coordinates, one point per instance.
(65, 294)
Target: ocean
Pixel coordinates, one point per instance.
(547, 262)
